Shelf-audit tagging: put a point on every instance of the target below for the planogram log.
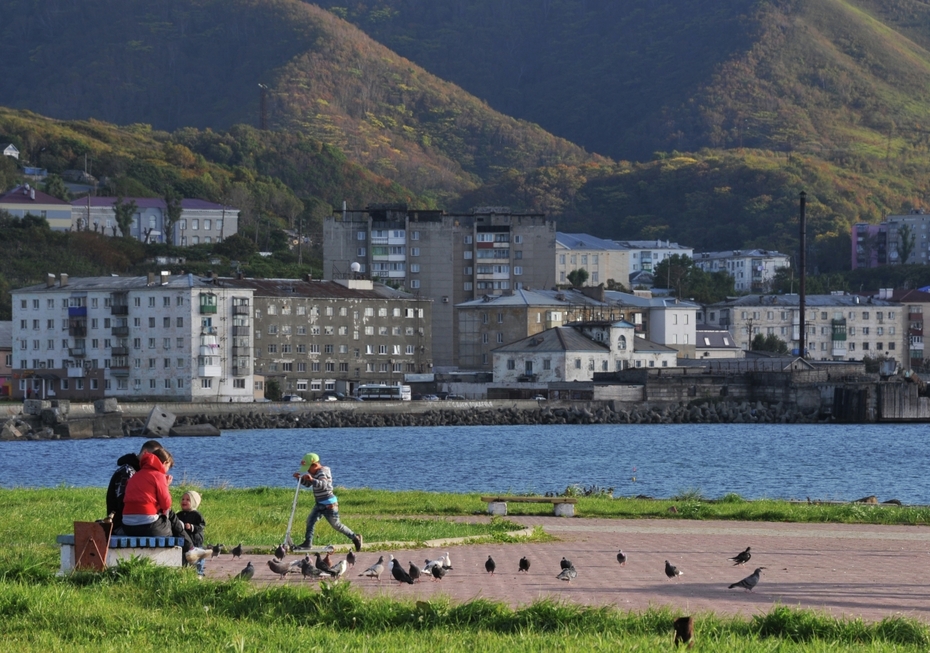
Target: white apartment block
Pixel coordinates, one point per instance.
(839, 327)
(645, 255)
(603, 260)
(666, 321)
(752, 269)
(448, 258)
(156, 338)
(201, 222)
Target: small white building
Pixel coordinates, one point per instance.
(11, 150)
(752, 269)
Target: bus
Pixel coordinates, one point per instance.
(381, 392)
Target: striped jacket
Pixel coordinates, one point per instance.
(322, 484)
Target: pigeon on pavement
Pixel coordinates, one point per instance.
(567, 574)
(308, 570)
(566, 563)
(446, 562)
(438, 562)
(490, 565)
(399, 573)
(741, 558)
(414, 572)
(237, 551)
(280, 552)
(671, 570)
(350, 558)
(621, 557)
(750, 581)
(247, 573)
(339, 569)
(322, 563)
(375, 570)
(279, 567)
(216, 550)
(438, 572)
(524, 564)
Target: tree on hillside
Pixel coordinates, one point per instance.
(172, 213)
(578, 277)
(55, 186)
(907, 239)
(124, 213)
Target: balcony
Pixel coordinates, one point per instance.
(77, 372)
(241, 351)
(119, 371)
(77, 311)
(208, 331)
(77, 331)
(120, 331)
(240, 330)
(241, 309)
(209, 371)
(119, 351)
(77, 352)
(207, 309)
(121, 309)
(241, 370)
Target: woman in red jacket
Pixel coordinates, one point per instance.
(147, 500)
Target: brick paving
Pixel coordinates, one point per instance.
(844, 570)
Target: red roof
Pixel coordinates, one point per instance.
(24, 195)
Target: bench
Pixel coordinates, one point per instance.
(562, 506)
(89, 548)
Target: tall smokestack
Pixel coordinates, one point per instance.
(802, 305)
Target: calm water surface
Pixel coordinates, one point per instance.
(756, 461)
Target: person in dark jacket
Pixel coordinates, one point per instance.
(127, 466)
(193, 522)
(319, 478)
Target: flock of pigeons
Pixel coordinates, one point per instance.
(324, 568)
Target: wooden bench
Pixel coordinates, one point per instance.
(89, 548)
(562, 506)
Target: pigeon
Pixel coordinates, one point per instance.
(438, 562)
(750, 581)
(350, 558)
(280, 552)
(280, 567)
(524, 564)
(375, 570)
(446, 562)
(566, 563)
(237, 551)
(671, 570)
(438, 572)
(400, 575)
(621, 557)
(489, 565)
(247, 573)
(216, 550)
(307, 568)
(322, 563)
(196, 555)
(414, 572)
(338, 569)
(567, 574)
(741, 558)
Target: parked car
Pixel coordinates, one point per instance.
(339, 396)
(327, 398)
(455, 398)
(292, 398)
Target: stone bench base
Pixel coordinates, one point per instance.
(562, 507)
(163, 551)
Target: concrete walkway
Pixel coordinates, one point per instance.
(850, 571)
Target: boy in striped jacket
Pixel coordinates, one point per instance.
(320, 479)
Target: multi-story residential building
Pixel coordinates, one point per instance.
(915, 304)
(155, 338)
(753, 270)
(25, 200)
(575, 352)
(604, 260)
(201, 222)
(449, 258)
(494, 320)
(6, 359)
(645, 255)
(316, 336)
(869, 245)
(897, 240)
(839, 327)
(666, 321)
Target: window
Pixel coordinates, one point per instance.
(577, 363)
(414, 235)
(206, 383)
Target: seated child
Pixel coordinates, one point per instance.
(193, 522)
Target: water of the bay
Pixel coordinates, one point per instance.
(755, 461)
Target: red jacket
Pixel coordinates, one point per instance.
(147, 490)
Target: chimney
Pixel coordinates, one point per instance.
(240, 275)
(32, 193)
(49, 280)
(164, 277)
(64, 279)
(150, 279)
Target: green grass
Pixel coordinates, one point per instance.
(144, 608)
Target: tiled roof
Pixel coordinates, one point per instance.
(557, 339)
(20, 195)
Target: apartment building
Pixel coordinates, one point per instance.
(448, 258)
(916, 304)
(201, 222)
(604, 260)
(645, 255)
(752, 270)
(25, 200)
(839, 326)
(156, 338)
(666, 321)
(314, 336)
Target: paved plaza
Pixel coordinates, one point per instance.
(843, 570)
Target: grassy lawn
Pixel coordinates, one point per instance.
(144, 608)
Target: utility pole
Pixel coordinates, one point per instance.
(263, 117)
(802, 332)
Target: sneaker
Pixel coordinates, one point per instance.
(357, 541)
(306, 544)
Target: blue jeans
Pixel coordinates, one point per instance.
(331, 513)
